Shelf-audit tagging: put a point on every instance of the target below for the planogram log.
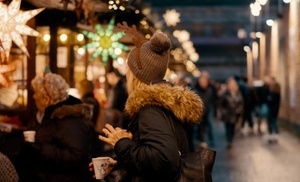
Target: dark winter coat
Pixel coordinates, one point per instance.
(61, 151)
(274, 103)
(153, 154)
(232, 107)
(90, 99)
(208, 95)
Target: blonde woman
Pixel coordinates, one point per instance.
(149, 150)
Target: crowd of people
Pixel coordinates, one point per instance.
(144, 146)
(236, 103)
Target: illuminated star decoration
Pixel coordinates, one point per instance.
(4, 68)
(13, 25)
(105, 42)
(171, 17)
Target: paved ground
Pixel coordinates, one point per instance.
(252, 159)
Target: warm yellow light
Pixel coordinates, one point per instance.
(255, 8)
(183, 36)
(246, 48)
(81, 51)
(120, 61)
(102, 79)
(258, 34)
(255, 50)
(147, 36)
(118, 51)
(194, 57)
(80, 37)
(46, 37)
(171, 17)
(270, 22)
(63, 37)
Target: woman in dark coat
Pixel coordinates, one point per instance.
(60, 152)
(232, 109)
(151, 147)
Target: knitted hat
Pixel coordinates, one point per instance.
(149, 60)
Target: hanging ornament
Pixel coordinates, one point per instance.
(13, 25)
(4, 67)
(105, 42)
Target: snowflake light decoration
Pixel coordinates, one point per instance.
(4, 67)
(171, 17)
(13, 25)
(105, 42)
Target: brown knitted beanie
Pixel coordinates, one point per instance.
(149, 62)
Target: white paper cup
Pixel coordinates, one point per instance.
(101, 167)
(29, 136)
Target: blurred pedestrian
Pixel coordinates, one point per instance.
(208, 95)
(232, 109)
(86, 91)
(249, 102)
(61, 148)
(150, 149)
(274, 104)
(117, 95)
(262, 91)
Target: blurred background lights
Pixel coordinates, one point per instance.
(81, 51)
(263, 2)
(80, 37)
(120, 61)
(63, 37)
(46, 37)
(270, 22)
(118, 51)
(171, 17)
(246, 48)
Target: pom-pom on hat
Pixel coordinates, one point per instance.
(148, 60)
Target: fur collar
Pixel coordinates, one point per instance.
(78, 110)
(184, 103)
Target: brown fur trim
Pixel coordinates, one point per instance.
(184, 103)
(79, 110)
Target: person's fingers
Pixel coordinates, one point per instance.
(104, 139)
(106, 132)
(110, 128)
(118, 129)
(91, 164)
(130, 135)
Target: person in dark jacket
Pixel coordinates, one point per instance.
(60, 152)
(232, 109)
(86, 91)
(207, 94)
(150, 149)
(274, 104)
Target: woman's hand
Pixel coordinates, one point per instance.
(113, 135)
(112, 164)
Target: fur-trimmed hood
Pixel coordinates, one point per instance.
(186, 105)
(79, 110)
